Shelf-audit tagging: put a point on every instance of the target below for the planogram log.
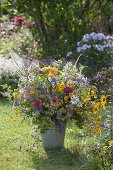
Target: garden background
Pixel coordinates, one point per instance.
(48, 31)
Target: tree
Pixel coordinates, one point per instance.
(60, 23)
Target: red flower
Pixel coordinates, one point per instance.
(18, 20)
(37, 103)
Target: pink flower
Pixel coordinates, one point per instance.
(37, 103)
(18, 20)
(54, 101)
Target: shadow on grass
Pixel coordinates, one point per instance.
(58, 159)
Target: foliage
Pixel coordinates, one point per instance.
(59, 25)
(97, 51)
(105, 153)
(52, 94)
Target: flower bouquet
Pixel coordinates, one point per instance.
(51, 95)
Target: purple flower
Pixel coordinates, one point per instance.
(97, 78)
(68, 90)
(59, 114)
(42, 91)
(15, 103)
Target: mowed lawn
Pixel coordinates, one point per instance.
(17, 153)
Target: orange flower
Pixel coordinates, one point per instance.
(53, 71)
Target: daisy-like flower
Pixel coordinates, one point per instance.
(54, 101)
(75, 100)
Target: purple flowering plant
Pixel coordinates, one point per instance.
(96, 51)
(53, 94)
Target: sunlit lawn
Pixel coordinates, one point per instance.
(16, 150)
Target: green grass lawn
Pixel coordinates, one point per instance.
(16, 152)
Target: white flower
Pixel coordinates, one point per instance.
(75, 100)
(53, 84)
(69, 54)
(49, 79)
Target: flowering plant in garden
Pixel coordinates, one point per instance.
(53, 94)
(19, 20)
(96, 50)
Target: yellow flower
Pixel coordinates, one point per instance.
(97, 128)
(87, 99)
(110, 142)
(15, 94)
(103, 98)
(93, 93)
(98, 118)
(57, 88)
(54, 90)
(50, 75)
(44, 69)
(16, 109)
(96, 107)
(103, 102)
(66, 98)
(70, 94)
(70, 84)
(61, 86)
(32, 92)
(52, 71)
